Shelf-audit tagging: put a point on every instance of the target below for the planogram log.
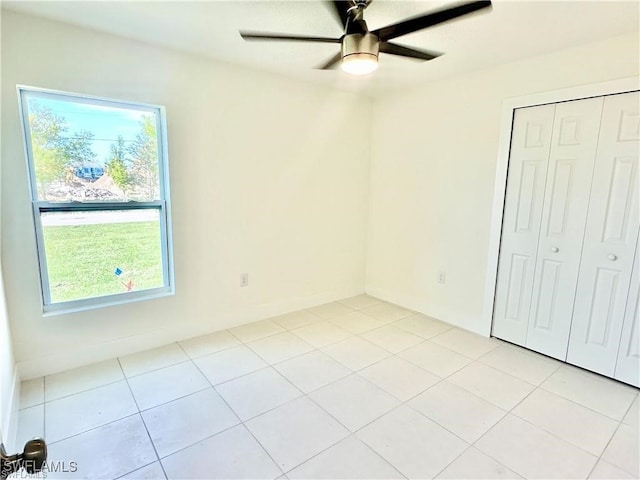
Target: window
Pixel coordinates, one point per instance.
(99, 187)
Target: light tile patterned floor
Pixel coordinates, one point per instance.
(353, 389)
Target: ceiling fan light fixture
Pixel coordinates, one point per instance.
(359, 63)
(360, 53)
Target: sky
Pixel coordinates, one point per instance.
(106, 123)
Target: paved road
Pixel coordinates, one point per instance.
(51, 219)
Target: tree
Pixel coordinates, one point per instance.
(144, 151)
(78, 149)
(55, 153)
(47, 144)
(116, 166)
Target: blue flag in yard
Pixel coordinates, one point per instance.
(118, 271)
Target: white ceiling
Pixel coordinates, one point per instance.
(511, 30)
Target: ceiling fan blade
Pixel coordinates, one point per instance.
(395, 49)
(286, 37)
(340, 10)
(331, 63)
(429, 19)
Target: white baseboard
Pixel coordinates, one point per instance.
(85, 355)
(419, 305)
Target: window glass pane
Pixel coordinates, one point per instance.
(91, 254)
(88, 151)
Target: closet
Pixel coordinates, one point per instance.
(568, 270)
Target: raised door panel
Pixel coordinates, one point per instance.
(528, 161)
(571, 162)
(628, 362)
(610, 239)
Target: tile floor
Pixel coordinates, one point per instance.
(353, 389)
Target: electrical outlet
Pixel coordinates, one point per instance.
(244, 279)
(442, 277)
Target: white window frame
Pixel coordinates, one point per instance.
(38, 206)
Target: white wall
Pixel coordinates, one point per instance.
(434, 151)
(267, 177)
(9, 379)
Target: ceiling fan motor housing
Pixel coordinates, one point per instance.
(360, 44)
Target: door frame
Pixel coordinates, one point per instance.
(509, 106)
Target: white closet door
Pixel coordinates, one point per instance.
(628, 364)
(573, 151)
(528, 161)
(610, 239)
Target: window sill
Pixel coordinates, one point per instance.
(106, 301)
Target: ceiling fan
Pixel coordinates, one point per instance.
(360, 46)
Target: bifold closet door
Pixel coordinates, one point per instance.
(528, 162)
(610, 240)
(571, 161)
(628, 364)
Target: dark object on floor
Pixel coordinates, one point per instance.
(31, 459)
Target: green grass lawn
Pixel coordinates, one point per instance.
(81, 259)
